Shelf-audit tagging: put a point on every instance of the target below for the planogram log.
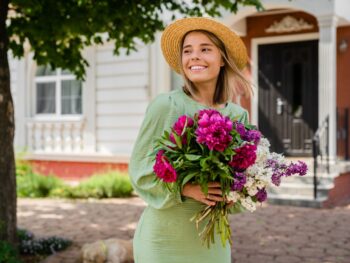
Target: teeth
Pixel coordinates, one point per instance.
(197, 67)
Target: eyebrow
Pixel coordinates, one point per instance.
(203, 44)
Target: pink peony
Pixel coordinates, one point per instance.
(214, 130)
(245, 157)
(163, 169)
(179, 126)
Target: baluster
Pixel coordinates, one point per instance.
(38, 129)
(30, 136)
(57, 137)
(48, 137)
(67, 137)
(77, 137)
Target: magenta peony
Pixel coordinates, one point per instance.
(213, 130)
(163, 169)
(245, 157)
(179, 126)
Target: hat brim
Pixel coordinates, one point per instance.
(174, 33)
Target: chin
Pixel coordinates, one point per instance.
(198, 78)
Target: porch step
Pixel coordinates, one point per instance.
(323, 179)
(296, 200)
(300, 189)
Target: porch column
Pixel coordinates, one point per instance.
(327, 77)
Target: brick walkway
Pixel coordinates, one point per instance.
(272, 234)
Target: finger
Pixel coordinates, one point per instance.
(214, 184)
(216, 198)
(208, 202)
(214, 191)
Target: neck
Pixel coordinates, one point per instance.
(205, 94)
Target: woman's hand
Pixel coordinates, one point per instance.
(194, 191)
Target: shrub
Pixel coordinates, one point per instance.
(8, 254)
(35, 185)
(24, 234)
(63, 191)
(23, 168)
(44, 246)
(29, 245)
(112, 184)
(30, 184)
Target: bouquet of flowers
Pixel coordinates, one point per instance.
(210, 147)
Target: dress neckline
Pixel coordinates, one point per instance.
(191, 100)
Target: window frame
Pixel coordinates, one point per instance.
(56, 78)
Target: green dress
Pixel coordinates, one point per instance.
(164, 233)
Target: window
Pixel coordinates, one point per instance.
(57, 92)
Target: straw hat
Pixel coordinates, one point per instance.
(174, 33)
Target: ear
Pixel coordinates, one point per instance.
(222, 63)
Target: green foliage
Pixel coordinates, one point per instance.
(59, 38)
(30, 184)
(108, 185)
(29, 245)
(8, 254)
(35, 185)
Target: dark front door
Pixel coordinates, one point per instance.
(288, 95)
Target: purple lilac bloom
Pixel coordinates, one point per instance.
(238, 182)
(240, 128)
(276, 178)
(296, 168)
(271, 163)
(261, 195)
(214, 130)
(252, 136)
(281, 169)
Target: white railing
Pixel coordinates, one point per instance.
(59, 136)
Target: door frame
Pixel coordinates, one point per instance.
(255, 42)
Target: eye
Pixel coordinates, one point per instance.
(206, 49)
(186, 51)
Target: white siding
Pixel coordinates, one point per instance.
(121, 98)
(15, 70)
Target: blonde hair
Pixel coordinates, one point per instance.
(231, 81)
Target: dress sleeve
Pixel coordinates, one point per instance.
(160, 115)
(244, 117)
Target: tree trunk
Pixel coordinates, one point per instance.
(7, 130)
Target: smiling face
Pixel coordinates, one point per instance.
(201, 59)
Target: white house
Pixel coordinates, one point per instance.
(299, 60)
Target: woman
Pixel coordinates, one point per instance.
(209, 56)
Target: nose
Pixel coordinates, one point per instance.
(194, 55)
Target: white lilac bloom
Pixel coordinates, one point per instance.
(248, 204)
(250, 181)
(233, 196)
(252, 190)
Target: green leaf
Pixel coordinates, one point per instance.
(188, 178)
(178, 140)
(192, 157)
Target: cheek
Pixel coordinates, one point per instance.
(183, 62)
(217, 63)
